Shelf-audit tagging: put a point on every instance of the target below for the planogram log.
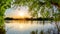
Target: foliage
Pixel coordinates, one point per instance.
(4, 4)
(35, 6)
(32, 4)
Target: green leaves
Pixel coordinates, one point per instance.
(4, 4)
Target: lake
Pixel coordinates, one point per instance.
(31, 27)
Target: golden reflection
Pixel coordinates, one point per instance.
(21, 25)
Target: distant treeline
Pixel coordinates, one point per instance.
(30, 19)
(39, 18)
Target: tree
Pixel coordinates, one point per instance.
(4, 4)
(34, 5)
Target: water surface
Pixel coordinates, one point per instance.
(31, 27)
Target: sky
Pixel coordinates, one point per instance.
(19, 12)
(23, 12)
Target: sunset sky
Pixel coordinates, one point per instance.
(19, 12)
(22, 12)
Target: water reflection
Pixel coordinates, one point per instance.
(30, 27)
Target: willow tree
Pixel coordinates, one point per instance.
(4, 4)
(34, 5)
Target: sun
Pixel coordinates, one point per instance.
(21, 14)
